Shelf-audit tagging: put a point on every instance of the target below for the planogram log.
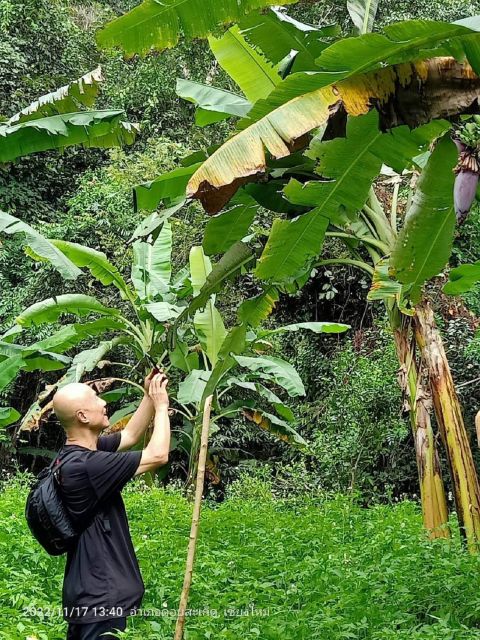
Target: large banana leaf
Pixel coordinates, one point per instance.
(276, 369)
(97, 263)
(255, 310)
(158, 25)
(39, 246)
(67, 99)
(213, 104)
(152, 265)
(9, 369)
(88, 359)
(353, 76)
(425, 241)
(253, 73)
(49, 310)
(463, 278)
(88, 128)
(277, 427)
(316, 327)
(348, 167)
(191, 389)
(231, 225)
(276, 34)
(208, 322)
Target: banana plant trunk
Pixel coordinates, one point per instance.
(432, 491)
(448, 412)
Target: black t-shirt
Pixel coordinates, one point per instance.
(102, 577)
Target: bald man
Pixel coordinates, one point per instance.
(102, 583)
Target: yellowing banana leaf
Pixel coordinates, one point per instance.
(159, 25)
(252, 72)
(277, 427)
(88, 128)
(304, 101)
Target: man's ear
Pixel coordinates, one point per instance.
(82, 416)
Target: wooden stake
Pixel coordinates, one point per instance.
(187, 580)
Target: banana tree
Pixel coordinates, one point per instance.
(355, 89)
(158, 322)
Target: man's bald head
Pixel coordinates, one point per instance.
(77, 405)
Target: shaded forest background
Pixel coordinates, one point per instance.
(352, 413)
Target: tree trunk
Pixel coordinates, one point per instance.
(451, 426)
(432, 491)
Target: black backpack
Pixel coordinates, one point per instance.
(46, 514)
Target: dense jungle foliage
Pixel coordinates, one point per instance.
(352, 412)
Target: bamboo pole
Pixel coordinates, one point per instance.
(187, 580)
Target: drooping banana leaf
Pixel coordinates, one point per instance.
(9, 369)
(255, 310)
(315, 327)
(276, 34)
(159, 25)
(352, 77)
(213, 104)
(166, 188)
(252, 72)
(281, 371)
(87, 360)
(425, 241)
(38, 246)
(97, 263)
(191, 389)
(277, 427)
(88, 128)
(155, 220)
(51, 309)
(67, 99)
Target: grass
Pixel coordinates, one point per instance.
(313, 569)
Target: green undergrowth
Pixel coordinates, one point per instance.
(307, 568)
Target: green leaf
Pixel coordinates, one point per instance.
(191, 389)
(349, 165)
(208, 323)
(316, 327)
(215, 104)
(462, 278)
(163, 311)
(67, 99)
(158, 25)
(182, 359)
(154, 220)
(152, 265)
(51, 309)
(276, 34)
(231, 225)
(290, 245)
(8, 416)
(234, 343)
(167, 187)
(265, 392)
(253, 73)
(87, 360)
(283, 373)
(88, 128)
(9, 369)
(97, 263)
(425, 241)
(236, 257)
(72, 334)
(40, 247)
(362, 13)
(255, 310)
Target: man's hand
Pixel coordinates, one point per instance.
(158, 391)
(148, 379)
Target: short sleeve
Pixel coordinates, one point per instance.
(110, 442)
(109, 472)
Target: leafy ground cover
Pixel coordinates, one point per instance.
(316, 568)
